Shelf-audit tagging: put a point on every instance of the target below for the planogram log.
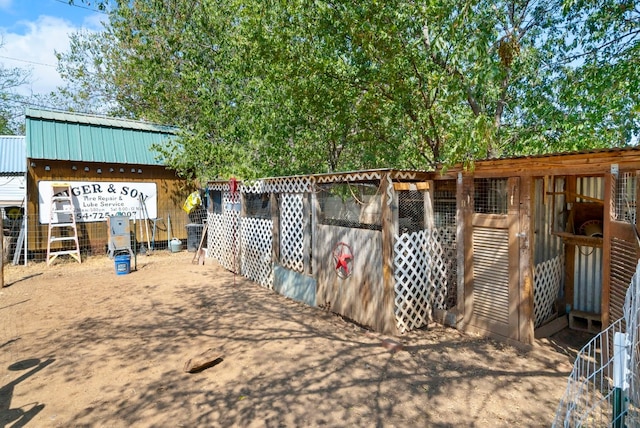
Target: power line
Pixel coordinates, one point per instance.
(27, 61)
(81, 7)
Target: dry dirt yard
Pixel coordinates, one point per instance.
(82, 346)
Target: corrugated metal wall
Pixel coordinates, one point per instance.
(547, 245)
(587, 290)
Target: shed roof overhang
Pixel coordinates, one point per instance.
(592, 162)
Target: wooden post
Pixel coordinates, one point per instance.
(569, 250)
(315, 209)
(275, 232)
(525, 312)
(607, 213)
(306, 233)
(464, 243)
(429, 216)
(389, 229)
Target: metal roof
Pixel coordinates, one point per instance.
(13, 155)
(62, 135)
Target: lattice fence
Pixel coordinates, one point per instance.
(547, 280)
(255, 250)
(222, 239)
(292, 231)
(423, 271)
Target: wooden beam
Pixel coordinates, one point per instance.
(411, 186)
(464, 243)
(526, 241)
(275, 231)
(569, 250)
(515, 295)
(389, 230)
(306, 233)
(608, 214)
(593, 163)
(577, 195)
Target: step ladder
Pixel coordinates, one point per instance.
(62, 224)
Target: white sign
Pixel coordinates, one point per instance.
(97, 200)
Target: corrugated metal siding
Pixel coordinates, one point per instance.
(588, 261)
(92, 138)
(588, 279)
(13, 155)
(547, 245)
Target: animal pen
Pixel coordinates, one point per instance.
(373, 246)
(513, 248)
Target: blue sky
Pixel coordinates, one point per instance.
(31, 31)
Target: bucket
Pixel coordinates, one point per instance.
(176, 245)
(123, 264)
(592, 228)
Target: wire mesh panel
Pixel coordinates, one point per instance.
(491, 196)
(604, 385)
(444, 203)
(292, 231)
(354, 205)
(411, 211)
(625, 197)
(257, 205)
(444, 211)
(547, 281)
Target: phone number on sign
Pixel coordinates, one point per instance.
(103, 215)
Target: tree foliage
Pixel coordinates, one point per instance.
(11, 102)
(285, 87)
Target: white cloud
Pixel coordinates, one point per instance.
(35, 49)
(5, 4)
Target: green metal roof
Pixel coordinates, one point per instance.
(62, 135)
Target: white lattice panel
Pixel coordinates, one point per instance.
(224, 237)
(422, 267)
(214, 236)
(292, 231)
(259, 186)
(290, 185)
(300, 184)
(547, 280)
(255, 250)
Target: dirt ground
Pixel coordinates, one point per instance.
(82, 346)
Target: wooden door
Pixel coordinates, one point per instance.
(492, 288)
(621, 251)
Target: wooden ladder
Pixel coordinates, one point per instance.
(62, 224)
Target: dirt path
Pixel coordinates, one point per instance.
(81, 346)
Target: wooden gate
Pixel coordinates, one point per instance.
(492, 283)
(621, 245)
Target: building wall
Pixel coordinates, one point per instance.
(172, 191)
(12, 190)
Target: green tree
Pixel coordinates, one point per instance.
(284, 87)
(11, 102)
